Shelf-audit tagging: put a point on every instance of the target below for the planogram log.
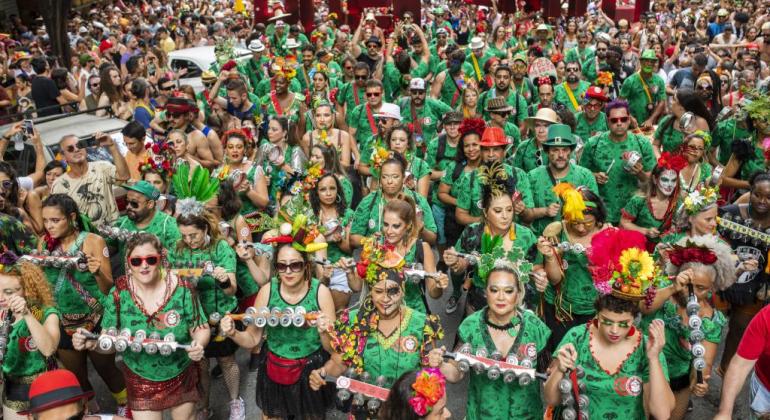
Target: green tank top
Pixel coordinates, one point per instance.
(414, 293)
(292, 342)
(69, 300)
(22, 357)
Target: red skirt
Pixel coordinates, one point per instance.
(147, 395)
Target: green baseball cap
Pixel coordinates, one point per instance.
(559, 135)
(649, 55)
(145, 188)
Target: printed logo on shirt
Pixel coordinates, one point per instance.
(628, 386)
(169, 319)
(27, 344)
(408, 344)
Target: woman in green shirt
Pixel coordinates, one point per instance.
(327, 158)
(704, 265)
(330, 207)
(152, 299)
(251, 184)
(33, 335)
(625, 369)
(505, 329)
(697, 173)
(79, 293)
(384, 338)
(280, 149)
(400, 140)
(670, 133)
(291, 353)
(202, 243)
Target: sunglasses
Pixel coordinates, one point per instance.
(151, 260)
(166, 87)
(616, 120)
(704, 87)
(361, 77)
(418, 92)
(593, 106)
(133, 204)
(372, 46)
(572, 70)
(72, 148)
(294, 267)
(174, 115)
(373, 94)
(601, 49)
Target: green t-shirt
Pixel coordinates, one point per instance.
(470, 190)
(403, 350)
(512, 401)
(561, 96)
(333, 251)
(529, 156)
(293, 342)
(577, 287)
(368, 217)
(723, 136)
(514, 99)
(617, 396)
(638, 211)
(451, 89)
(22, 357)
(162, 225)
(358, 118)
(428, 116)
(677, 349)
(600, 152)
(633, 90)
(212, 297)
(179, 315)
(540, 180)
(586, 130)
(667, 135)
(575, 54)
(470, 241)
(350, 95)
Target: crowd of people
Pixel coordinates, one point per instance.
(589, 197)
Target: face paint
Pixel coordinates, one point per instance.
(647, 69)
(667, 182)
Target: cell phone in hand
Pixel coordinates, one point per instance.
(29, 127)
(88, 142)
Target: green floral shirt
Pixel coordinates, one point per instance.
(577, 287)
(162, 225)
(633, 90)
(600, 152)
(179, 315)
(351, 96)
(540, 180)
(368, 217)
(293, 342)
(638, 211)
(586, 130)
(212, 297)
(512, 401)
(677, 349)
(669, 137)
(723, 136)
(529, 156)
(429, 116)
(22, 357)
(561, 96)
(612, 396)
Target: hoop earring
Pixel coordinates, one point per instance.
(339, 199)
(631, 331)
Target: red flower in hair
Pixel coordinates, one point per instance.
(229, 65)
(472, 125)
(675, 162)
(555, 58)
(683, 255)
(543, 80)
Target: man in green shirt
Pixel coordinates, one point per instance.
(592, 120)
(422, 113)
(143, 215)
(570, 92)
(582, 52)
(353, 93)
(619, 160)
(361, 122)
(529, 155)
(521, 83)
(477, 58)
(645, 92)
(559, 146)
(502, 89)
(254, 67)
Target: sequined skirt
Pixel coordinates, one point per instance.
(147, 395)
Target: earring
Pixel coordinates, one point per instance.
(339, 198)
(631, 331)
(595, 322)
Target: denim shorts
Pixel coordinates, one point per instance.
(760, 397)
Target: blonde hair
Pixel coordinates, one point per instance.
(32, 279)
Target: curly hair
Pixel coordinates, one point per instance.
(722, 272)
(37, 291)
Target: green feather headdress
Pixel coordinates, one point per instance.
(193, 192)
(494, 256)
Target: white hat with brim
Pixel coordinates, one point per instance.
(256, 46)
(476, 43)
(544, 114)
(388, 110)
(279, 16)
(544, 27)
(291, 43)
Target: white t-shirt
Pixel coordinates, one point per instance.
(92, 192)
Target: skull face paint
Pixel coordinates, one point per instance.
(667, 182)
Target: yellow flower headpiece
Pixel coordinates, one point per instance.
(699, 200)
(573, 201)
(604, 78)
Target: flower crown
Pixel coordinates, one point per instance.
(429, 387)
(472, 125)
(319, 68)
(700, 199)
(379, 156)
(620, 265)
(285, 67)
(379, 262)
(312, 175)
(674, 162)
(691, 252)
(494, 256)
(604, 78)
(703, 135)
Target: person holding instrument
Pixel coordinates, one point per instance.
(626, 367)
(31, 322)
(151, 298)
(702, 265)
(507, 330)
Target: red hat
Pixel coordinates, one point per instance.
(595, 92)
(54, 389)
(104, 46)
(493, 137)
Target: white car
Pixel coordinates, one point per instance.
(196, 60)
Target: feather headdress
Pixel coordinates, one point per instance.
(193, 192)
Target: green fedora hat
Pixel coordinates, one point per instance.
(560, 135)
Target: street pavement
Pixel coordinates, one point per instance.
(703, 408)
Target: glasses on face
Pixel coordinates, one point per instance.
(359, 77)
(373, 94)
(520, 66)
(372, 46)
(616, 120)
(593, 106)
(348, 67)
(167, 87)
(418, 92)
(572, 70)
(621, 324)
(585, 224)
(704, 87)
(294, 267)
(151, 260)
(72, 148)
(133, 203)
(502, 114)
(601, 49)
(173, 115)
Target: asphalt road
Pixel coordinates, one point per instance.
(703, 408)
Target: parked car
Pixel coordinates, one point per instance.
(196, 60)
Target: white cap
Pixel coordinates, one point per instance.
(82, 30)
(723, 12)
(417, 83)
(291, 43)
(388, 110)
(280, 23)
(256, 46)
(370, 16)
(477, 43)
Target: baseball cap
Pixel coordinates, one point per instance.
(417, 84)
(145, 188)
